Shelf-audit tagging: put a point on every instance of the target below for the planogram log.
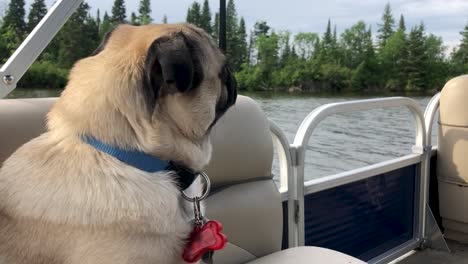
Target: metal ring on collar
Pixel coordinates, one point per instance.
(205, 193)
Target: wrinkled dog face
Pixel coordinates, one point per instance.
(170, 82)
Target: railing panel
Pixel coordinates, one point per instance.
(364, 218)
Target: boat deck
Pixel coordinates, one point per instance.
(459, 255)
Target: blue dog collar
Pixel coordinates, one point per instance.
(144, 162)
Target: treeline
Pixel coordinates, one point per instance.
(401, 60)
(398, 59)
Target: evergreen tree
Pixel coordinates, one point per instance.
(356, 42)
(78, 37)
(164, 20)
(134, 19)
(460, 55)
(285, 46)
(36, 13)
(205, 18)
(194, 14)
(436, 67)
(365, 77)
(261, 28)
(232, 38)
(242, 47)
(215, 30)
(268, 48)
(328, 45)
(118, 12)
(386, 28)
(145, 12)
(392, 58)
(401, 23)
(416, 60)
(106, 25)
(13, 22)
(98, 20)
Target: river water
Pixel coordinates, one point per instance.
(341, 142)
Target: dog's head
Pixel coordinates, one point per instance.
(158, 88)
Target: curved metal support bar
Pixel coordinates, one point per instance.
(282, 144)
(34, 44)
(429, 116)
(315, 117)
(288, 183)
(312, 120)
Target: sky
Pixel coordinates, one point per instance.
(444, 18)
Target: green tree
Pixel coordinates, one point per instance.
(118, 12)
(242, 49)
(78, 37)
(393, 58)
(13, 23)
(267, 46)
(232, 39)
(355, 42)
(145, 12)
(134, 20)
(36, 13)
(327, 52)
(205, 17)
(401, 23)
(365, 76)
(437, 68)
(460, 54)
(386, 28)
(304, 44)
(98, 19)
(261, 28)
(106, 25)
(194, 14)
(215, 30)
(416, 60)
(164, 20)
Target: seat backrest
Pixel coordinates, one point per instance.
(20, 121)
(244, 199)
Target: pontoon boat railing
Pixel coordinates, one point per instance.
(429, 116)
(297, 188)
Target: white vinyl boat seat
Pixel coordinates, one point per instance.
(245, 199)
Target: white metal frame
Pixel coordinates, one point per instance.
(34, 44)
(419, 155)
(287, 181)
(429, 116)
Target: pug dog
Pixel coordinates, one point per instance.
(155, 90)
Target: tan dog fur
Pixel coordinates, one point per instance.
(62, 201)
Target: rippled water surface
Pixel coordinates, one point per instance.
(341, 142)
(345, 141)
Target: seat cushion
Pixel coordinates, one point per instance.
(252, 219)
(307, 255)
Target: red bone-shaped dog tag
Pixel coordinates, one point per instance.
(204, 239)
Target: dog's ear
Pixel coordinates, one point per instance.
(169, 63)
